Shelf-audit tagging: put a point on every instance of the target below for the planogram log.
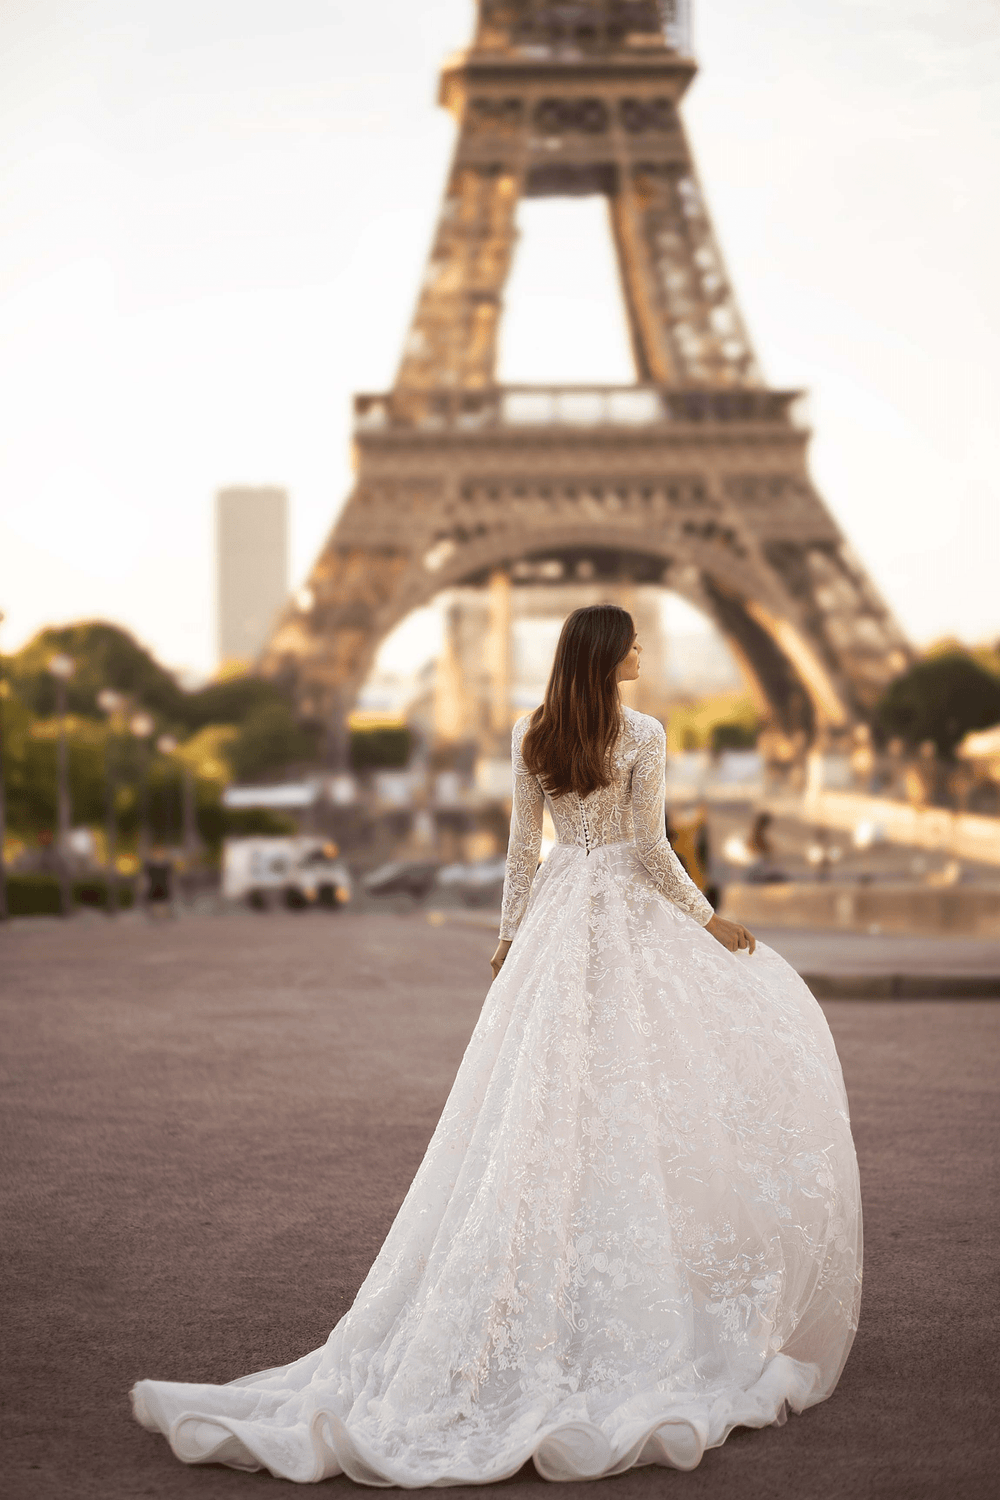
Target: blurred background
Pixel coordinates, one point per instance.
(217, 220)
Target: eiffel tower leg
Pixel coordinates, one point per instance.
(323, 651)
(777, 684)
(685, 322)
(452, 341)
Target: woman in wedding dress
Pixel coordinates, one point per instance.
(638, 1223)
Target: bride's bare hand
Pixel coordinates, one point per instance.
(732, 935)
(496, 962)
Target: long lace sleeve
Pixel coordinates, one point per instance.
(649, 786)
(525, 838)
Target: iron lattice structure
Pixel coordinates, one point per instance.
(694, 477)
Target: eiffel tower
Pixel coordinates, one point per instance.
(694, 477)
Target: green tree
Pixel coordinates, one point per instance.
(383, 747)
(720, 721)
(30, 769)
(940, 698)
(105, 657)
(231, 702)
(732, 734)
(270, 739)
(108, 657)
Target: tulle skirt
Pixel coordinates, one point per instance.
(637, 1224)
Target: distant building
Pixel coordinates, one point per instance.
(251, 543)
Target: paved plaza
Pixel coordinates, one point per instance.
(210, 1123)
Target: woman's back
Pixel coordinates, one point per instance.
(605, 816)
(630, 809)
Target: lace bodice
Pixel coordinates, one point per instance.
(629, 809)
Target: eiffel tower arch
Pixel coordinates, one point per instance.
(694, 477)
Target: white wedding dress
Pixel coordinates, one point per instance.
(637, 1224)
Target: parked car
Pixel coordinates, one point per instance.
(403, 877)
(477, 884)
(300, 871)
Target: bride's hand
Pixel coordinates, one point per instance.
(496, 962)
(731, 935)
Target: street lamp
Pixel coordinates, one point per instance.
(111, 703)
(166, 744)
(189, 810)
(62, 669)
(142, 726)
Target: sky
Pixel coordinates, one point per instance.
(214, 216)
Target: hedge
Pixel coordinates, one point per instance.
(40, 896)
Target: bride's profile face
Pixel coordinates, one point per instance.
(629, 669)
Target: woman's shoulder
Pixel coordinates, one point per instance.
(642, 729)
(521, 728)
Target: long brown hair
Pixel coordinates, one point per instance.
(567, 742)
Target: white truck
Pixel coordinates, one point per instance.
(296, 871)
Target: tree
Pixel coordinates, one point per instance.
(270, 739)
(732, 734)
(941, 698)
(231, 702)
(383, 747)
(106, 657)
(720, 721)
(30, 769)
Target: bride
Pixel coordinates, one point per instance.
(637, 1224)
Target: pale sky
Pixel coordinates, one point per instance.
(214, 215)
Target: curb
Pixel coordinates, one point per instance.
(904, 986)
(857, 986)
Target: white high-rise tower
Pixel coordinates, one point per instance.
(251, 531)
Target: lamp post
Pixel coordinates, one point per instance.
(4, 913)
(62, 669)
(166, 744)
(112, 703)
(142, 727)
(189, 819)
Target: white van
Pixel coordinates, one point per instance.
(301, 870)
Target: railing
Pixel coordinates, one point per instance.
(613, 406)
(913, 782)
(540, 28)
